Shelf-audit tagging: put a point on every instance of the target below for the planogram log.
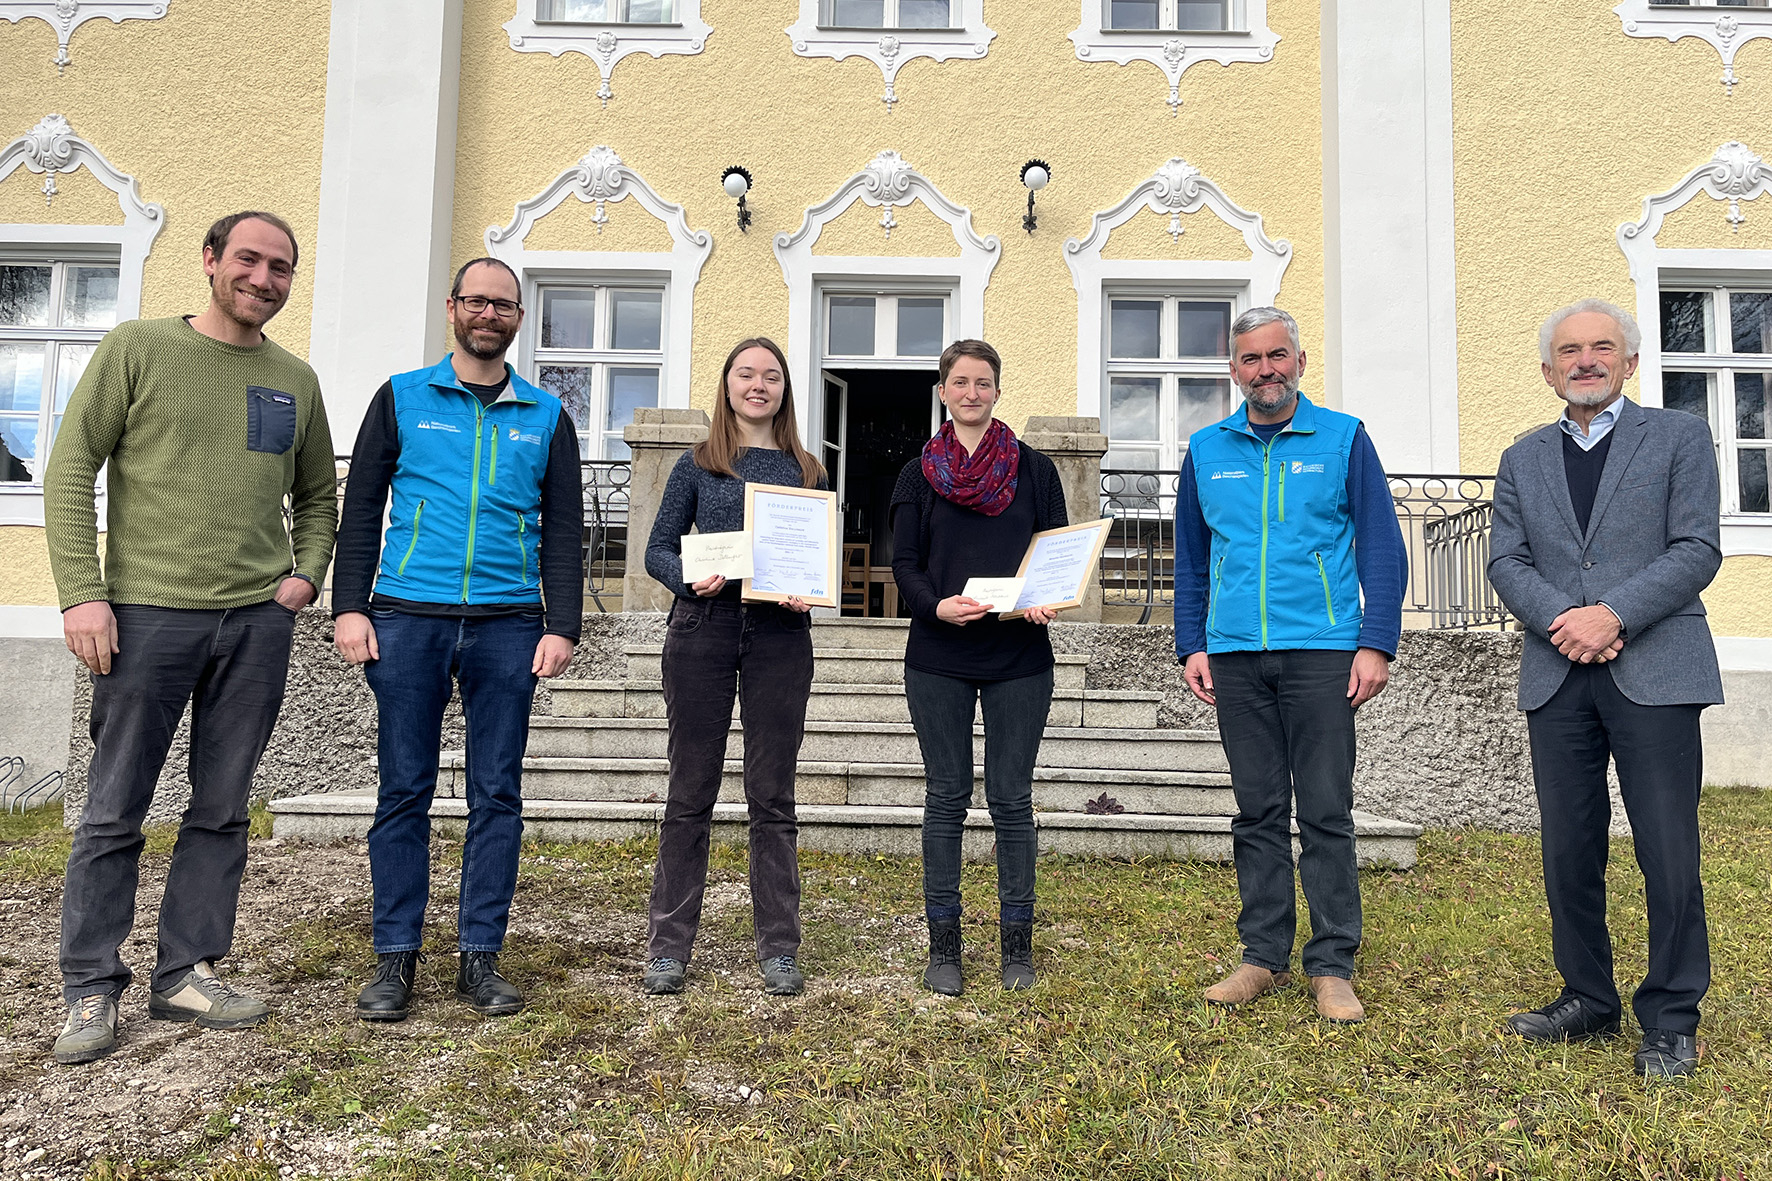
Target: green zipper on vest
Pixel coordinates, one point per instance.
(467, 569)
(1282, 492)
(1328, 603)
(1267, 454)
(1217, 591)
(523, 548)
(492, 475)
(417, 516)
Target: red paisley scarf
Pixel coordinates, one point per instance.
(983, 481)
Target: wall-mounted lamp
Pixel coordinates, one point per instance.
(1035, 174)
(737, 182)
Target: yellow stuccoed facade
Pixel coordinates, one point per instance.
(1559, 125)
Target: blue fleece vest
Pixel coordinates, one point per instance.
(464, 523)
(1282, 571)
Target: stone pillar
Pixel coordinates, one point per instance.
(656, 438)
(1076, 446)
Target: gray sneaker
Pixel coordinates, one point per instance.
(198, 996)
(781, 976)
(664, 976)
(90, 1032)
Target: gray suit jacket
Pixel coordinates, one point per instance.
(1652, 543)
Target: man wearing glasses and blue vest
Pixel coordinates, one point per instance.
(479, 583)
(1289, 578)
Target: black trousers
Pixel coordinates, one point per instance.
(230, 666)
(1660, 762)
(715, 650)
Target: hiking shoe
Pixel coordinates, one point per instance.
(482, 989)
(781, 976)
(1666, 1054)
(1336, 1000)
(388, 994)
(1245, 984)
(1018, 956)
(90, 1032)
(213, 1004)
(943, 973)
(664, 976)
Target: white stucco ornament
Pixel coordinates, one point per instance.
(966, 37)
(1173, 52)
(64, 16)
(1726, 32)
(606, 42)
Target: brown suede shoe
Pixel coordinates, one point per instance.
(1336, 1000)
(1245, 984)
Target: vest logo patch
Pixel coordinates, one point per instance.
(1227, 475)
(432, 424)
(1301, 468)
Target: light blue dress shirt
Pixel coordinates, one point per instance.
(1598, 429)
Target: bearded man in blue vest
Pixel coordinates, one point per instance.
(1289, 578)
(479, 583)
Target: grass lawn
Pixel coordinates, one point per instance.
(1112, 1067)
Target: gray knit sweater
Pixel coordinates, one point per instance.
(713, 504)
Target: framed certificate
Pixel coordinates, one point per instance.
(794, 548)
(1056, 570)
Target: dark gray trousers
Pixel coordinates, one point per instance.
(230, 667)
(714, 650)
(1288, 732)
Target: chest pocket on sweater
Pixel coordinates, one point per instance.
(270, 420)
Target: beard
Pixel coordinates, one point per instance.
(464, 336)
(1596, 398)
(1272, 397)
(236, 304)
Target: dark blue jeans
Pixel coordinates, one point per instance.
(1014, 721)
(420, 655)
(1288, 732)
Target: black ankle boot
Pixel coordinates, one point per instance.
(1018, 955)
(388, 994)
(943, 973)
(478, 983)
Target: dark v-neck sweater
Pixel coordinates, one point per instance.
(1583, 469)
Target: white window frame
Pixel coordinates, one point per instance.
(885, 324)
(887, 183)
(51, 149)
(600, 178)
(1721, 367)
(1172, 51)
(607, 42)
(890, 48)
(1725, 29)
(600, 360)
(51, 335)
(65, 16)
(1734, 175)
(1170, 447)
(1176, 190)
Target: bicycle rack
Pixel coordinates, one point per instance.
(12, 769)
(48, 788)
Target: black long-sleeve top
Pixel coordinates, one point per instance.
(358, 550)
(713, 504)
(938, 545)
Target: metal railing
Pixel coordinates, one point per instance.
(604, 536)
(14, 798)
(1445, 522)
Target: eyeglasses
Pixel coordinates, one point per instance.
(476, 304)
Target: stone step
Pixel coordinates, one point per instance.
(866, 784)
(870, 634)
(1379, 843)
(1114, 709)
(847, 666)
(888, 742)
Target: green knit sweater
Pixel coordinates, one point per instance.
(204, 441)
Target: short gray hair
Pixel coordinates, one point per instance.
(1255, 318)
(1627, 323)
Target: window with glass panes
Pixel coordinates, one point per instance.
(886, 14)
(600, 351)
(885, 327)
(1168, 357)
(613, 12)
(1181, 16)
(53, 313)
(1716, 362)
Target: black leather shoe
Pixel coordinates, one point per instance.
(1666, 1054)
(1018, 956)
(1568, 1018)
(478, 984)
(943, 973)
(388, 995)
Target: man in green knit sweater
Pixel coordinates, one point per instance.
(207, 427)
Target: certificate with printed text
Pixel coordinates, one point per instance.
(1056, 570)
(794, 549)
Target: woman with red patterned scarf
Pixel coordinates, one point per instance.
(967, 508)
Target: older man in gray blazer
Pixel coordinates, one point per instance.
(1606, 530)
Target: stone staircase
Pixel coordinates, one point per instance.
(596, 768)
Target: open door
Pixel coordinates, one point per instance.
(836, 431)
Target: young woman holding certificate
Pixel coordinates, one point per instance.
(967, 508)
(717, 648)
